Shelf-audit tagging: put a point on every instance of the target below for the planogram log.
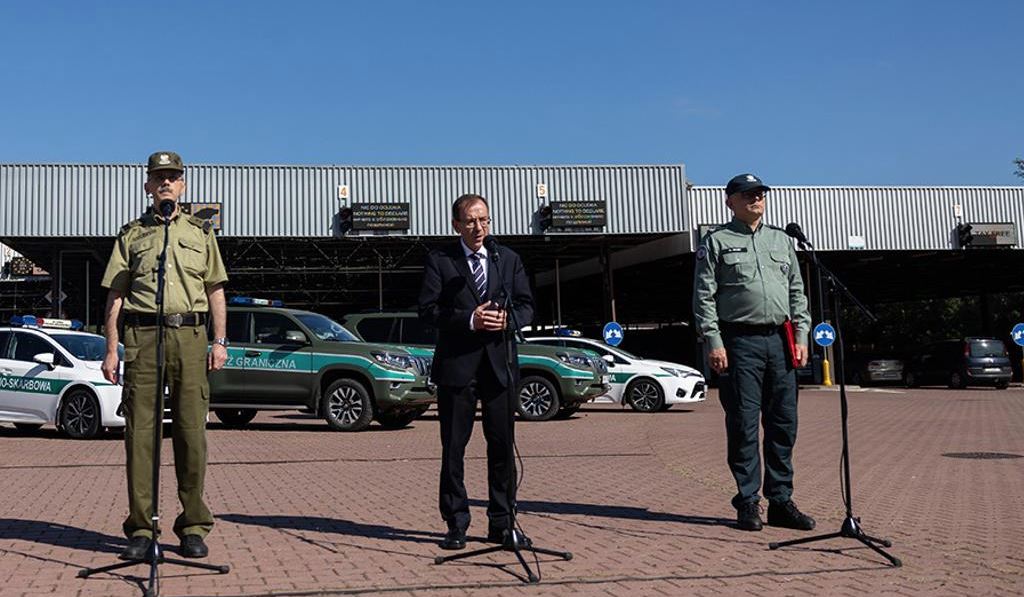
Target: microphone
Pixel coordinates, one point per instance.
(166, 207)
(492, 248)
(793, 229)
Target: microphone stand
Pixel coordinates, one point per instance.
(155, 555)
(512, 544)
(850, 528)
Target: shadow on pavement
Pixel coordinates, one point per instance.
(319, 524)
(608, 511)
(61, 535)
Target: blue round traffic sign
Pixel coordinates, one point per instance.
(612, 334)
(1018, 334)
(824, 334)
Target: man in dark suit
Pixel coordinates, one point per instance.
(466, 287)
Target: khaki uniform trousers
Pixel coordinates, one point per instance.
(185, 351)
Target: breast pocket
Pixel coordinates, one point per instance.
(192, 255)
(142, 261)
(737, 268)
(779, 265)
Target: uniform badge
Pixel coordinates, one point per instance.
(165, 159)
(702, 253)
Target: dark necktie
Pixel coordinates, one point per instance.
(476, 269)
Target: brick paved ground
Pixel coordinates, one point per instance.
(641, 500)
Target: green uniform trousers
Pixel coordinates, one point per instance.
(185, 350)
(759, 387)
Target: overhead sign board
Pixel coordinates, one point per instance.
(206, 211)
(993, 234)
(380, 216)
(579, 214)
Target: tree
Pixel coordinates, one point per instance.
(1019, 163)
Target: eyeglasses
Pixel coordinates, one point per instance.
(162, 175)
(754, 195)
(477, 223)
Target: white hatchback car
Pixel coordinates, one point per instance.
(645, 385)
(50, 374)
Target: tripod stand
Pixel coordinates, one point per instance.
(512, 542)
(154, 556)
(850, 528)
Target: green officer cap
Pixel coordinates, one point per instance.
(164, 160)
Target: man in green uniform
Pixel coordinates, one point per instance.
(193, 291)
(746, 285)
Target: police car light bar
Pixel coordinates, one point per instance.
(39, 322)
(567, 333)
(248, 300)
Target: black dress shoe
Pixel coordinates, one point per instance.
(748, 517)
(137, 548)
(192, 546)
(787, 515)
(454, 539)
(500, 535)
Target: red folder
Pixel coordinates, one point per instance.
(794, 360)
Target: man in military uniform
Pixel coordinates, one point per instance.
(193, 291)
(746, 285)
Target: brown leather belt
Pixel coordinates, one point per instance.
(748, 329)
(173, 320)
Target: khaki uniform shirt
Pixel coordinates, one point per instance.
(193, 264)
(747, 276)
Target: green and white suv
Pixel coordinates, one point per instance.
(553, 382)
(283, 359)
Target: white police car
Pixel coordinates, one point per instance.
(50, 373)
(645, 385)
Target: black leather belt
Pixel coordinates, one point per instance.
(174, 320)
(748, 329)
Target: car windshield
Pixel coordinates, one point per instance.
(987, 348)
(326, 328)
(624, 353)
(86, 348)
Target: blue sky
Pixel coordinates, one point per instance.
(810, 92)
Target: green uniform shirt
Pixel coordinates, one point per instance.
(193, 264)
(745, 276)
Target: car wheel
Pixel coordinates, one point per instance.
(347, 406)
(956, 381)
(28, 427)
(1002, 385)
(910, 380)
(397, 420)
(538, 399)
(644, 396)
(665, 407)
(235, 418)
(80, 415)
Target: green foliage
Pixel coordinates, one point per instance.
(1019, 163)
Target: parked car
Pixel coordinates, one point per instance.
(50, 374)
(552, 382)
(646, 385)
(960, 363)
(283, 359)
(866, 369)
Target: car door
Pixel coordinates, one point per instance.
(32, 388)
(229, 384)
(277, 370)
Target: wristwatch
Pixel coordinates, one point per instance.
(222, 341)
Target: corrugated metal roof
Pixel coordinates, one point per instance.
(889, 218)
(283, 201)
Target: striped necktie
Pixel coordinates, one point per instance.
(479, 275)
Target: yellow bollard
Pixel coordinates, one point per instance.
(826, 375)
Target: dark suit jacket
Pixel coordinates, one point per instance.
(448, 297)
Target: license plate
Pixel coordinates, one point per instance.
(992, 369)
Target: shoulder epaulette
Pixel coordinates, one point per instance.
(130, 225)
(200, 223)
